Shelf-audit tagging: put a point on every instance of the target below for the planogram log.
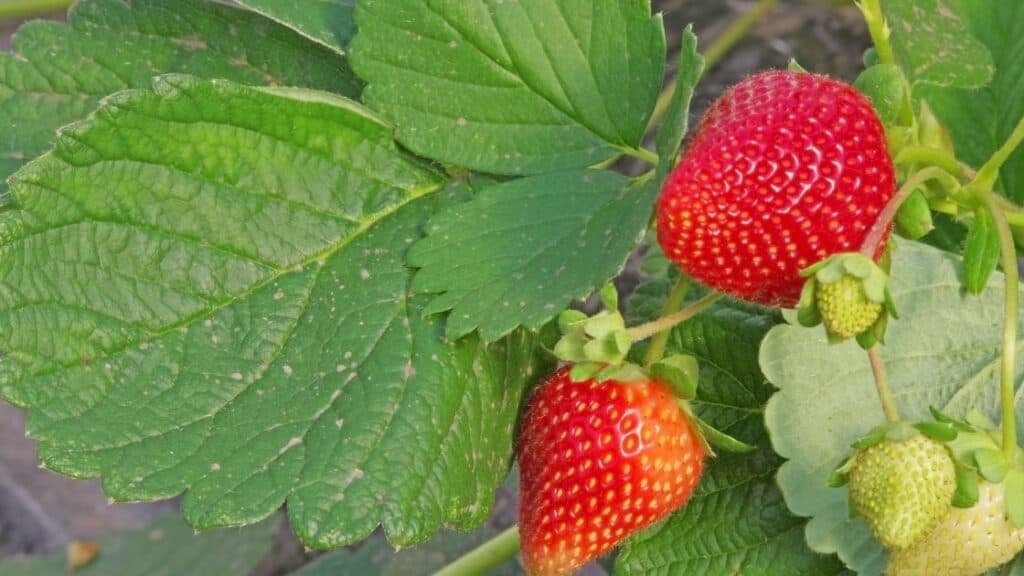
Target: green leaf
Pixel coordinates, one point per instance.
(168, 547)
(981, 252)
(736, 520)
(189, 312)
(520, 252)
(933, 46)
(520, 87)
(883, 84)
(980, 120)
(56, 74)
(329, 22)
(943, 352)
(674, 127)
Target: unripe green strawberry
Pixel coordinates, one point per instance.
(902, 488)
(845, 309)
(966, 542)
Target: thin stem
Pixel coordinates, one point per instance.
(11, 9)
(879, 30)
(988, 173)
(485, 557)
(932, 157)
(882, 385)
(1008, 255)
(642, 154)
(878, 230)
(717, 50)
(645, 331)
(675, 299)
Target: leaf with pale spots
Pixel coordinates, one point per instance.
(736, 522)
(56, 73)
(520, 252)
(188, 312)
(521, 87)
(827, 397)
(167, 547)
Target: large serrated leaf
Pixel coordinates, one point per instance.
(519, 252)
(521, 87)
(981, 120)
(933, 46)
(736, 522)
(57, 73)
(167, 547)
(205, 291)
(944, 351)
(329, 22)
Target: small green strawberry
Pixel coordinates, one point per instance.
(849, 294)
(966, 542)
(901, 483)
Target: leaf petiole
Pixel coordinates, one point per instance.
(675, 300)
(882, 384)
(489, 555)
(884, 220)
(645, 331)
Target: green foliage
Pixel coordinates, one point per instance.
(519, 252)
(189, 312)
(519, 87)
(329, 22)
(943, 352)
(669, 139)
(168, 547)
(56, 74)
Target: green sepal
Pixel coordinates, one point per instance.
(570, 347)
(627, 372)
(604, 324)
(979, 420)
(992, 464)
(610, 298)
(584, 371)
(883, 85)
(981, 252)
(680, 372)
(938, 431)
(931, 132)
(611, 349)
(570, 319)
(839, 476)
(723, 441)
(966, 494)
(794, 66)
(914, 218)
(875, 436)
(871, 58)
(807, 309)
(1014, 497)
(867, 339)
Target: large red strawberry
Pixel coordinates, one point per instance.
(599, 461)
(785, 169)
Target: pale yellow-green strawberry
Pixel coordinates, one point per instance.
(845, 309)
(901, 488)
(966, 542)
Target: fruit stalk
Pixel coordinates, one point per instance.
(485, 557)
(881, 225)
(644, 331)
(675, 300)
(1008, 255)
(878, 29)
(882, 384)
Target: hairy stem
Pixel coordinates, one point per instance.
(675, 299)
(485, 557)
(1008, 255)
(879, 30)
(884, 220)
(989, 173)
(10, 9)
(882, 385)
(645, 331)
(932, 157)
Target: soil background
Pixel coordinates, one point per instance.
(41, 512)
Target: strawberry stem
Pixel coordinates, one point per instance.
(879, 30)
(1008, 254)
(485, 557)
(882, 384)
(645, 331)
(870, 245)
(675, 299)
(642, 154)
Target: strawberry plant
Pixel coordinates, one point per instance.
(327, 256)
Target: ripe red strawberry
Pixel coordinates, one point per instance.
(599, 461)
(785, 169)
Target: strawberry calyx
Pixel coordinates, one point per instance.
(898, 431)
(848, 293)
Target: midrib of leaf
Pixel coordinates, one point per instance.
(326, 254)
(516, 77)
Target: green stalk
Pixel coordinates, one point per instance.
(884, 220)
(931, 157)
(485, 557)
(645, 331)
(717, 50)
(14, 9)
(657, 349)
(878, 29)
(989, 173)
(892, 414)
(1008, 255)
(642, 154)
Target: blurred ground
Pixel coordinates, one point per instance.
(40, 511)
